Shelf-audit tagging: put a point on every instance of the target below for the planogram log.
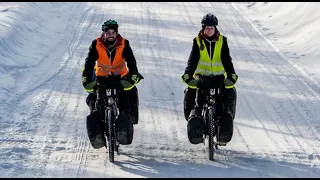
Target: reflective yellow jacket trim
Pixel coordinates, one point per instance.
(229, 87)
(192, 87)
(129, 88)
(89, 90)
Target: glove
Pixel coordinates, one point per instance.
(231, 81)
(88, 85)
(140, 76)
(128, 82)
(190, 81)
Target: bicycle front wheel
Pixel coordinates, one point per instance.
(111, 133)
(211, 129)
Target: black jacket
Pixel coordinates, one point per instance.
(195, 56)
(93, 57)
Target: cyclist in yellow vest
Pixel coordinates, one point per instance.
(111, 54)
(209, 55)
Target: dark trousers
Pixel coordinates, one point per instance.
(192, 99)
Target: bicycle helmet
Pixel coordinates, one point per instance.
(110, 24)
(209, 20)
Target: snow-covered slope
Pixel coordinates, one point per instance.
(43, 110)
(293, 27)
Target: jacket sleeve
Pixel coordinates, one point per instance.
(90, 61)
(193, 59)
(226, 58)
(130, 59)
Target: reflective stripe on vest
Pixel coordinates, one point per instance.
(103, 64)
(206, 66)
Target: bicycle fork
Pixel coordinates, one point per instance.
(112, 107)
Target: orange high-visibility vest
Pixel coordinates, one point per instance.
(103, 64)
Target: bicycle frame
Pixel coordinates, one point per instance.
(107, 93)
(211, 89)
(213, 103)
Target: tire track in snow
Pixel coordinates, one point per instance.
(85, 145)
(230, 24)
(35, 111)
(54, 126)
(155, 126)
(161, 85)
(52, 129)
(303, 81)
(149, 128)
(81, 145)
(178, 124)
(94, 157)
(297, 108)
(164, 62)
(276, 103)
(264, 70)
(268, 102)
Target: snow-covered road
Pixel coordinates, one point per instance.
(43, 109)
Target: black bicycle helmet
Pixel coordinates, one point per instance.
(110, 24)
(209, 20)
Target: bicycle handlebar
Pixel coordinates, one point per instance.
(108, 86)
(211, 82)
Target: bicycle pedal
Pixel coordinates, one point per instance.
(221, 143)
(216, 146)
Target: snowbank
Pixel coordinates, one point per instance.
(293, 27)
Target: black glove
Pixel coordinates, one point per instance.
(231, 81)
(190, 81)
(140, 77)
(129, 81)
(88, 85)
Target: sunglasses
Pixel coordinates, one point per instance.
(112, 22)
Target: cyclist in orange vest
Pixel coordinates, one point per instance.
(209, 55)
(111, 53)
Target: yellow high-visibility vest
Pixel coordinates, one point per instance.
(206, 66)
